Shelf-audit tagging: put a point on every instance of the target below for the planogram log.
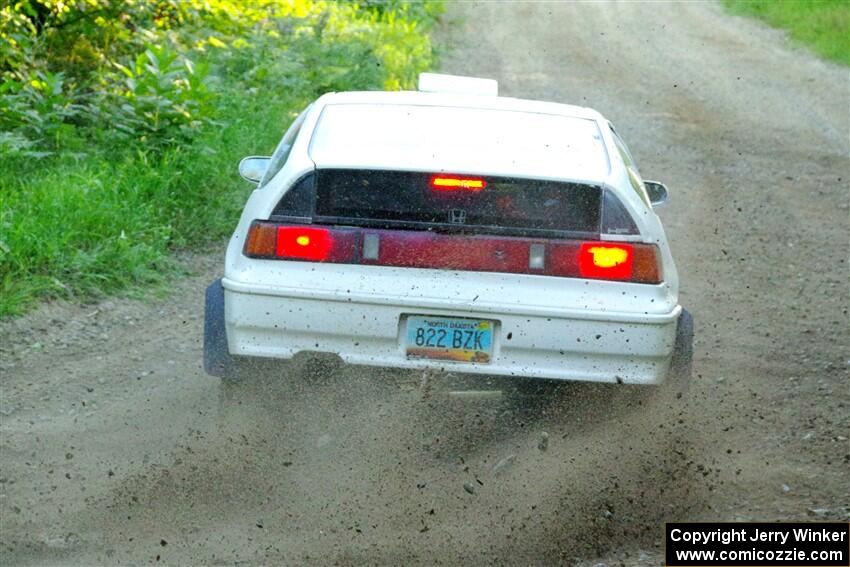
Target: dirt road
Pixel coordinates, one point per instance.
(110, 446)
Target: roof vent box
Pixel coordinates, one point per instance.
(455, 84)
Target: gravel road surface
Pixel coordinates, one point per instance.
(112, 450)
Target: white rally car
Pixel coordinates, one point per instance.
(452, 229)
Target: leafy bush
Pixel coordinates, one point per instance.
(163, 97)
(121, 121)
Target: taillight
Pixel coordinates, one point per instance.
(606, 261)
(455, 182)
(307, 243)
(262, 240)
(646, 267)
(303, 243)
(618, 261)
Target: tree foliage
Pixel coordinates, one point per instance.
(157, 70)
(121, 121)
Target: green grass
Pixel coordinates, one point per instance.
(821, 25)
(100, 216)
(82, 228)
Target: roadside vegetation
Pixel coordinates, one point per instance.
(821, 25)
(121, 122)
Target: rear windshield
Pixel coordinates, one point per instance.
(411, 200)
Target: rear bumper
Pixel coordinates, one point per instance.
(584, 345)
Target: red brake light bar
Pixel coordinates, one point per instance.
(454, 182)
(619, 261)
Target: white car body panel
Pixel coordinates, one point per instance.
(548, 327)
(460, 140)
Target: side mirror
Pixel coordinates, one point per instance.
(657, 192)
(252, 168)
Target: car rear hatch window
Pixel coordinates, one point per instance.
(455, 202)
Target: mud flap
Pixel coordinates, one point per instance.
(217, 358)
(683, 353)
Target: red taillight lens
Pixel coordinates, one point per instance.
(637, 263)
(454, 183)
(307, 243)
(619, 261)
(607, 261)
(303, 243)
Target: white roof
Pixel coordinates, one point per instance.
(418, 131)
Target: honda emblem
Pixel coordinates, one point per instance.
(457, 216)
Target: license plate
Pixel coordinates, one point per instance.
(449, 338)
